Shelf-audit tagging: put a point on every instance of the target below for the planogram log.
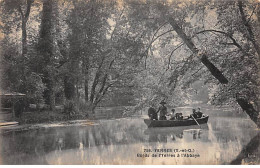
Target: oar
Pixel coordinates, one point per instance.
(195, 120)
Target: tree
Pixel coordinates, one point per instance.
(23, 8)
(176, 15)
(47, 49)
(102, 50)
(18, 71)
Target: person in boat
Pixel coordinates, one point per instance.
(163, 111)
(199, 113)
(172, 115)
(152, 114)
(194, 114)
(179, 116)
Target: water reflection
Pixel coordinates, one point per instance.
(174, 133)
(119, 141)
(252, 148)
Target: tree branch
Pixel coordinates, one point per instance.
(28, 9)
(168, 67)
(155, 38)
(112, 34)
(103, 83)
(96, 80)
(251, 14)
(226, 34)
(21, 11)
(197, 71)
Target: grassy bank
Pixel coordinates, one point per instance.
(47, 117)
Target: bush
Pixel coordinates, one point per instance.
(84, 107)
(70, 107)
(34, 88)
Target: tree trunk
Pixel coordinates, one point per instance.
(24, 50)
(249, 109)
(96, 80)
(93, 88)
(214, 70)
(24, 38)
(93, 95)
(69, 88)
(250, 32)
(52, 96)
(258, 13)
(250, 149)
(46, 48)
(85, 71)
(25, 17)
(86, 87)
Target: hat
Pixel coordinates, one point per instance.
(162, 102)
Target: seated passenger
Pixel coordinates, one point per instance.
(152, 114)
(172, 115)
(179, 116)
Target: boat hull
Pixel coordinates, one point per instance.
(175, 123)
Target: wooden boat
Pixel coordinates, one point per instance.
(176, 123)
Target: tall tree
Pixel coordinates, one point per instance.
(47, 50)
(23, 7)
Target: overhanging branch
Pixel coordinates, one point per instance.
(234, 42)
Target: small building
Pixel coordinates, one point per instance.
(8, 101)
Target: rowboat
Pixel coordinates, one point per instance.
(176, 123)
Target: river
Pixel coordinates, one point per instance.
(129, 141)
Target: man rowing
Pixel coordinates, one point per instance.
(199, 113)
(196, 114)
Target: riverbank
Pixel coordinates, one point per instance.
(38, 119)
(35, 117)
(46, 116)
(27, 127)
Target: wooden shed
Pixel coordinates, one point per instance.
(7, 112)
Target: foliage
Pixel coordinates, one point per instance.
(93, 51)
(34, 88)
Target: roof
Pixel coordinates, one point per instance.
(4, 93)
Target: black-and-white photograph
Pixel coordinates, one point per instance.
(129, 82)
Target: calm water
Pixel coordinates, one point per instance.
(119, 141)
